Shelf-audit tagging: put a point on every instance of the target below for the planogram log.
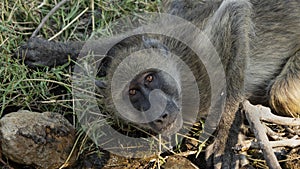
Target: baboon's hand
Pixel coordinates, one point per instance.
(41, 52)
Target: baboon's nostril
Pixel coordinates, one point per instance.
(158, 121)
(165, 116)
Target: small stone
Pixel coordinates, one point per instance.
(178, 162)
(43, 140)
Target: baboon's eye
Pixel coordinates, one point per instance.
(132, 91)
(149, 78)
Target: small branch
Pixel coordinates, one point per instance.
(44, 20)
(253, 114)
(93, 14)
(64, 28)
(5, 164)
(268, 116)
(294, 131)
(285, 143)
(42, 4)
(273, 134)
(246, 145)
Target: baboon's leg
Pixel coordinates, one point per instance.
(285, 90)
(230, 30)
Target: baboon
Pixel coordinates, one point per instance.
(258, 43)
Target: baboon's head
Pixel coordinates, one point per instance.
(144, 87)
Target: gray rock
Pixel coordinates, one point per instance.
(43, 140)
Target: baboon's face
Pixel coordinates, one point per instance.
(141, 89)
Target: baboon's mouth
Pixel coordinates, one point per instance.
(172, 127)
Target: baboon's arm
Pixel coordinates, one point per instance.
(40, 52)
(230, 30)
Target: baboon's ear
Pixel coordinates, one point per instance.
(154, 43)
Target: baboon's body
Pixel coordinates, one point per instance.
(264, 42)
(259, 45)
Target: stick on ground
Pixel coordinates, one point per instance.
(44, 20)
(253, 114)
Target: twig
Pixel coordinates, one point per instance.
(64, 28)
(273, 134)
(293, 131)
(285, 143)
(253, 114)
(42, 4)
(44, 20)
(159, 153)
(268, 116)
(93, 14)
(5, 164)
(292, 143)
